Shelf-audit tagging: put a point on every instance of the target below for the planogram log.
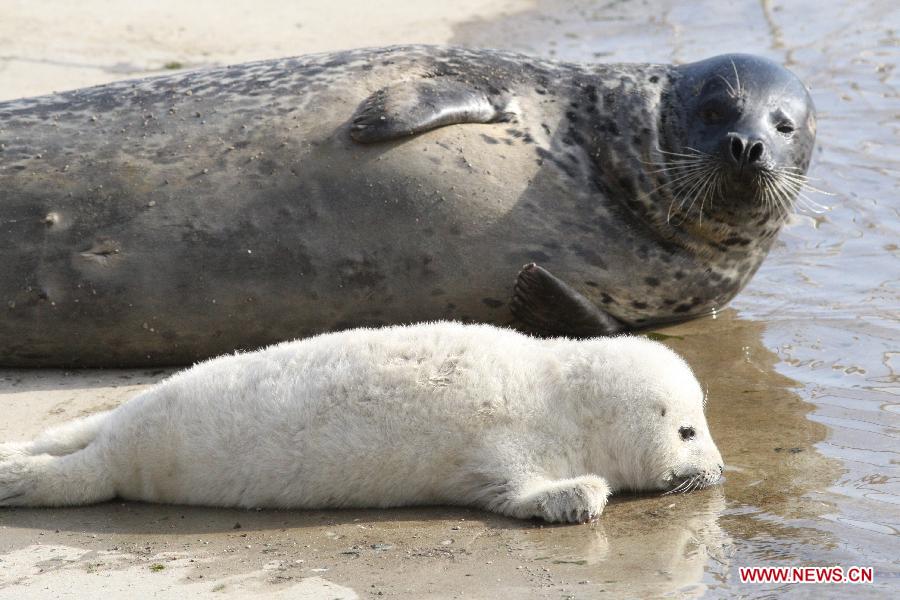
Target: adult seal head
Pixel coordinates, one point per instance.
(715, 177)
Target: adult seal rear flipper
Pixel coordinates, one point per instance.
(404, 109)
(547, 306)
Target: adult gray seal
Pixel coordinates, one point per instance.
(441, 413)
(170, 219)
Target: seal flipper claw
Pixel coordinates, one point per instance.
(577, 500)
(548, 306)
(412, 107)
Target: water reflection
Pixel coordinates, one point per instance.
(641, 547)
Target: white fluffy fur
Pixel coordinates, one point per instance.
(430, 414)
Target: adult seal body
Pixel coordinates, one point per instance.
(171, 219)
(432, 414)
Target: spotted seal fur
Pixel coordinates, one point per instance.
(170, 219)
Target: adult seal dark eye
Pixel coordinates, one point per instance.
(687, 433)
(711, 115)
(785, 128)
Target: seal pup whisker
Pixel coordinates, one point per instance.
(695, 483)
(680, 488)
(674, 490)
(700, 484)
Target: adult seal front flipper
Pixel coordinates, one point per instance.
(547, 306)
(412, 107)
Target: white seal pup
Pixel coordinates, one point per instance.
(442, 413)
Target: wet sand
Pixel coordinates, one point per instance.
(801, 369)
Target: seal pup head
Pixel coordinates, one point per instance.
(739, 139)
(655, 435)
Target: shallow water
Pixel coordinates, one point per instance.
(802, 373)
(803, 369)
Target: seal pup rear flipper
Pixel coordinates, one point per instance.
(64, 466)
(412, 107)
(547, 306)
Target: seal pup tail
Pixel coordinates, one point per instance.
(61, 467)
(46, 480)
(60, 440)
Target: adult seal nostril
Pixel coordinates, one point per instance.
(755, 153)
(736, 146)
(743, 151)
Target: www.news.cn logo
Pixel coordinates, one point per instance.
(806, 575)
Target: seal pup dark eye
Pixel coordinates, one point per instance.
(687, 433)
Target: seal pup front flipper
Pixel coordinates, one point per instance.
(548, 306)
(412, 107)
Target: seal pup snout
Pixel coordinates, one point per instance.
(691, 480)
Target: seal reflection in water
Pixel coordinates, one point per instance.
(172, 219)
(441, 413)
